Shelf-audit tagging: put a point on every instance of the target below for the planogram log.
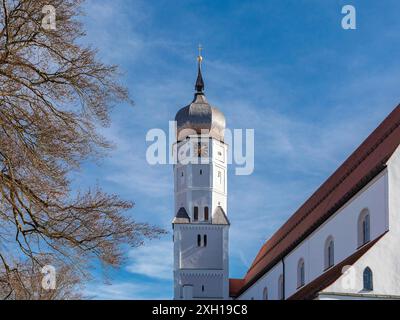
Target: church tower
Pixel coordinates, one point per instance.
(200, 225)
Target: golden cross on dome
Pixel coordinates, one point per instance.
(199, 82)
(199, 57)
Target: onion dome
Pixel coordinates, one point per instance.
(200, 117)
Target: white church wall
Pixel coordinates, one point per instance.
(379, 260)
(342, 226)
(384, 257)
(270, 281)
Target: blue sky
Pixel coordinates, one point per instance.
(311, 90)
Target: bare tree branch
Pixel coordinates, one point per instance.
(54, 93)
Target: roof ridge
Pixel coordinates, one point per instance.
(340, 180)
(330, 191)
(361, 166)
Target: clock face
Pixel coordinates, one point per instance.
(191, 150)
(185, 152)
(202, 149)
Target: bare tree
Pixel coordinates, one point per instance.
(54, 92)
(28, 282)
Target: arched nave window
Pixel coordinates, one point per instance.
(199, 240)
(364, 227)
(329, 252)
(280, 287)
(196, 213)
(368, 279)
(265, 294)
(300, 273)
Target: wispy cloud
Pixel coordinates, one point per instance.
(311, 94)
(126, 290)
(153, 260)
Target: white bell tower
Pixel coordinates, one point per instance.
(200, 225)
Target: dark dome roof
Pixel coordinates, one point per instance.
(200, 117)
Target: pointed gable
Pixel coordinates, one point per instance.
(311, 290)
(181, 216)
(219, 216)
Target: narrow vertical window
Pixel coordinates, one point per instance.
(329, 253)
(201, 172)
(205, 240)
(364, 226)
(206, 213)
(368, 279)
(300, 273)
(199, 240)
(202, 288)
(196, 213)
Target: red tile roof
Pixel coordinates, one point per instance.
(310, 291)
(360, 168)
(234, 286)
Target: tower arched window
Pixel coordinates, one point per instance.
(196, 213)
(300, 273)
(265, 294)
(329, 253)
(368, 279)
(206, 215)
(199, 240)
(280, 287)
(364, 226)
(205, 240)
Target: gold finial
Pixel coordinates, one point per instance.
(199, 82)
(199, 57)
